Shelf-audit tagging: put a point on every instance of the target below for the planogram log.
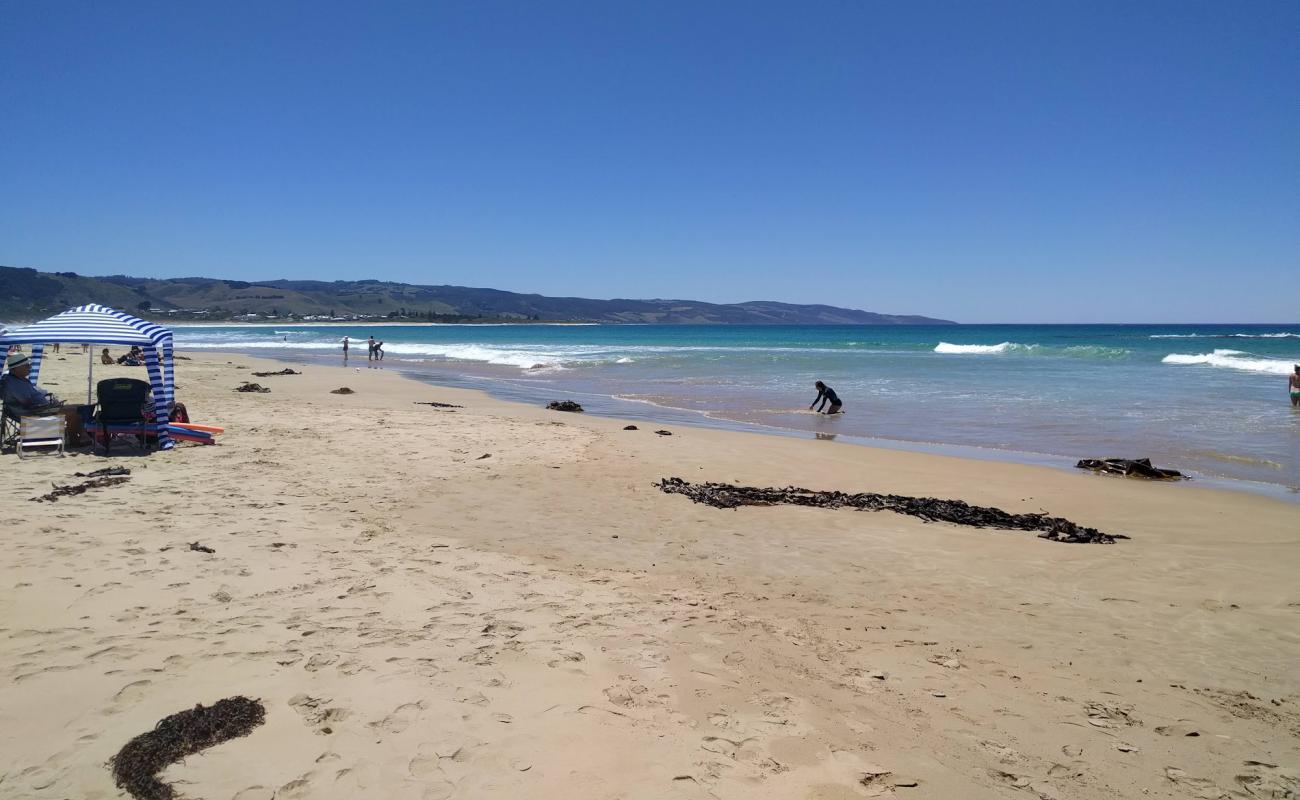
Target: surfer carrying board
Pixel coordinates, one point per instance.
(826, 394)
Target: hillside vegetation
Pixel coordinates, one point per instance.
(27, 294)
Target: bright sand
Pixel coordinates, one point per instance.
(425, 622)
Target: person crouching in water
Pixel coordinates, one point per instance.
(826, 394)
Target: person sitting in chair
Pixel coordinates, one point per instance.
(132, 359)
(23, 399)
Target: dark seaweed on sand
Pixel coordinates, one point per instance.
(136, 766)
(79, 488)
(930, 509)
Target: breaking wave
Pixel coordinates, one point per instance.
(1224, 336)
(977, 349)
(1015, 348)
(1233, 359)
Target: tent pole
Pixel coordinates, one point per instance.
(90, 372)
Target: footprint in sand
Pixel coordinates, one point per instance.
(319, 661)
(438, 790)
(316, 712)
(566, 658)
(401, 718)
(132, 693)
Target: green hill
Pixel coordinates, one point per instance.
(27, 294)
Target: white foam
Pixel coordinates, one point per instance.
(976, 349)
(1224, 336)
(1232, 359)
(276, 344)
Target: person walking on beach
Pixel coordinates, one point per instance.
(371, 343)
(1294, 385)
(345, 350)
(826, 394)
(379, 351)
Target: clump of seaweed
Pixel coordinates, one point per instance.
(71, 490)
(930, 509)
(136, 766)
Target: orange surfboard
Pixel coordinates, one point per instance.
(193, 427)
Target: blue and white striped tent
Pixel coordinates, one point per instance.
(95, 324)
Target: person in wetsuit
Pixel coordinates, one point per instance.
(826, 394)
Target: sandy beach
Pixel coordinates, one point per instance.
(495, 600)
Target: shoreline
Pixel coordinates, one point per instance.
(497, 601)
(703, 419)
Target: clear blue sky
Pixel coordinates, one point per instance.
(1031, 161)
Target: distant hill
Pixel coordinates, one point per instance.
(26, 294)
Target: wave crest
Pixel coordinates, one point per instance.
(1224, 336)
(1232, 359)
(976, 349)
(1075, 351)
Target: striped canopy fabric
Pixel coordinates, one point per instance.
(96, 324)
(93, 324)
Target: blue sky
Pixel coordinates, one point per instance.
(1000, 162)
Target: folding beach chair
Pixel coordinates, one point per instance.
(8, 430)
(40, 433)
(121, 405)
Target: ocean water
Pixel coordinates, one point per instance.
(1207, 399)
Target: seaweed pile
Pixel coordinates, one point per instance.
(100, 473)
(436, 404)
(285, 371)
(74, 489)
(136, 766)
(1132, 467)
(930, 509)
(252, 387)
(564, 405)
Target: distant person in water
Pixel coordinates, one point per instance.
(371, 343)
(379, 351)
(826, 394)
(345, 349)
(1294, 385)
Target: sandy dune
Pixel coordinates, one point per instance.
(425, 622)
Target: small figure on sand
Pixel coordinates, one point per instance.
(1294, 385)
(826, 394)
(345, 349)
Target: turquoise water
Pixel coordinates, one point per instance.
(1208, 399)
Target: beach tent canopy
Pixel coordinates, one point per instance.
(88, 324)
(95, 324)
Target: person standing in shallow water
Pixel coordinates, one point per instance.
(826, 394)
(345, 349)
(1294, 386)
(371, 344)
